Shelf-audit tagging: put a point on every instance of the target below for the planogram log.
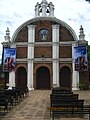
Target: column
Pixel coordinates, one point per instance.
(55, 52)
(75, 74)
(11, 79)
(31, 39)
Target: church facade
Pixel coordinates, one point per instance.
(45, 52)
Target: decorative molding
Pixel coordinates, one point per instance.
(20, 60)
(53, 19)
(44, 61)
(21, 43)
(24, 44)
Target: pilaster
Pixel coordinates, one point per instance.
(55, 52)
(31, 40)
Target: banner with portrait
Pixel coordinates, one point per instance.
(80, 58)
(9, 59)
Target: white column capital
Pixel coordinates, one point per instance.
(55, 33)
(31, 26)
(56, 26)
(13, 46)
(31, 33)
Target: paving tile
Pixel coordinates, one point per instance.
(34, 107)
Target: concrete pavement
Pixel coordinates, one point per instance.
(34, 107)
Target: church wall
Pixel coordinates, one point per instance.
(65, 34)
(43, 24)
(65, 64)
(21, 65)
(21, 52)
(43, 50)
(22, 35)
(65, 52)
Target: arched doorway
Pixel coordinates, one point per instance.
(21, 77)
(65, 78)
(43, 78)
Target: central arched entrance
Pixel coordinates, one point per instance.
(65, 78)
(21, 77)
(43, 78)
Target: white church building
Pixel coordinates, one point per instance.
(45, 52)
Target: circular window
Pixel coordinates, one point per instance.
(43, 34)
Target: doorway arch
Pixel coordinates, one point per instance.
(21, 77)
(65, 78)
(43, 78)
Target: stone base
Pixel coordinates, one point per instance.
(31, 88)
(75, 89)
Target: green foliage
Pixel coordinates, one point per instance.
(1, 85)
(83, 85)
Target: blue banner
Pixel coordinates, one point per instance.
(80, 57)
(9, 59)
